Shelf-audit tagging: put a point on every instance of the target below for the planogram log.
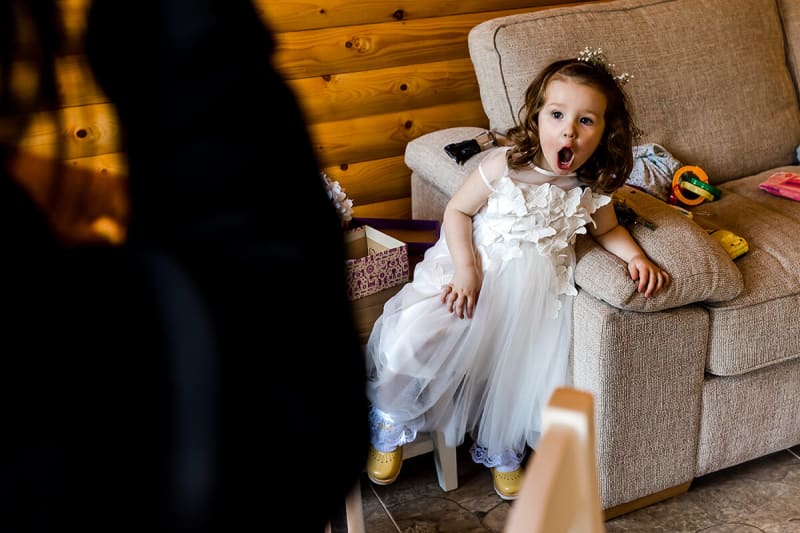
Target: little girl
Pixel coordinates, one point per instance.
(479, 339)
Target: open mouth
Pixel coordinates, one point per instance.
(565, 157)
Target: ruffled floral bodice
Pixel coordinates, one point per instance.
(544, 215)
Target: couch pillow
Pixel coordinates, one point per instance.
(710, 78)
(700, 268)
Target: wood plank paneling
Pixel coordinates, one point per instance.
(398, 208)
(370, 76)
(76, 83)
(372, 181)
(113, 165)
(327, 51)
(84, 196)
(84, 131)
(291, 15)
(354, 94)
(74, 15)
(386, 135)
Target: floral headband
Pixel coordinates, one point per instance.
(595, 56)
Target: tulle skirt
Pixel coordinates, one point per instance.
(489, 376)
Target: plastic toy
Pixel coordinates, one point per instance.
(733, 244)
(786, 184)
(688, 178)
(699, 191)
(694, 180)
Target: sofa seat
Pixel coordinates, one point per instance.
(748, 416)
(771, 274)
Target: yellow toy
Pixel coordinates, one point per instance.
(735, 246)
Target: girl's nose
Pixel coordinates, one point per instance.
(569, 134)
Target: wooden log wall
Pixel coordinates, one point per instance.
(370, 76)
(373, 75)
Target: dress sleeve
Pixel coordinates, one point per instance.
(483, 174)
(484, 178)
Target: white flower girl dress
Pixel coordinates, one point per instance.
(491, 375)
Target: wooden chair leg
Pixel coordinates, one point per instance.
(446, 465)
(354, 514)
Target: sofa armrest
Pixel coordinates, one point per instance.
(645, 371)
(425, 155)
(700, 268)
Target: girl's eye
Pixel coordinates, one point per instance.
(587, 121)
(557, 114)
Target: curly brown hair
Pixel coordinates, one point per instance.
(611, 164)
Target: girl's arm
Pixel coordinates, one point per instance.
(617, 240)
(461, 294)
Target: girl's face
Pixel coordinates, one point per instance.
(571, 125)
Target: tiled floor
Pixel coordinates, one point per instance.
(759, 496)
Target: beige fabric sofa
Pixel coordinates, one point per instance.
(705, 375)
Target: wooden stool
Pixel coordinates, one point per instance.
(444, 457)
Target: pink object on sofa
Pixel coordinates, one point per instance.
(786, 184)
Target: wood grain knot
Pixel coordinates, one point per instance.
(360, 44)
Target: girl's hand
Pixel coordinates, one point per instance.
(461, 294)
(652, 279)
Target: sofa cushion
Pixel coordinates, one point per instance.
(767, 308)
(747, 416)
(733, 115)
(700, 269)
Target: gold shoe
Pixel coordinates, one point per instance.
(507, 484)
(384, 467)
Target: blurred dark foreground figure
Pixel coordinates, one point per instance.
(171, 383)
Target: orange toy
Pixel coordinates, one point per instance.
(676, 184)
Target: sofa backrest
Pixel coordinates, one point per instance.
(710, 82)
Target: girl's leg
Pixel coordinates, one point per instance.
(386, 433)
(386, 451)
